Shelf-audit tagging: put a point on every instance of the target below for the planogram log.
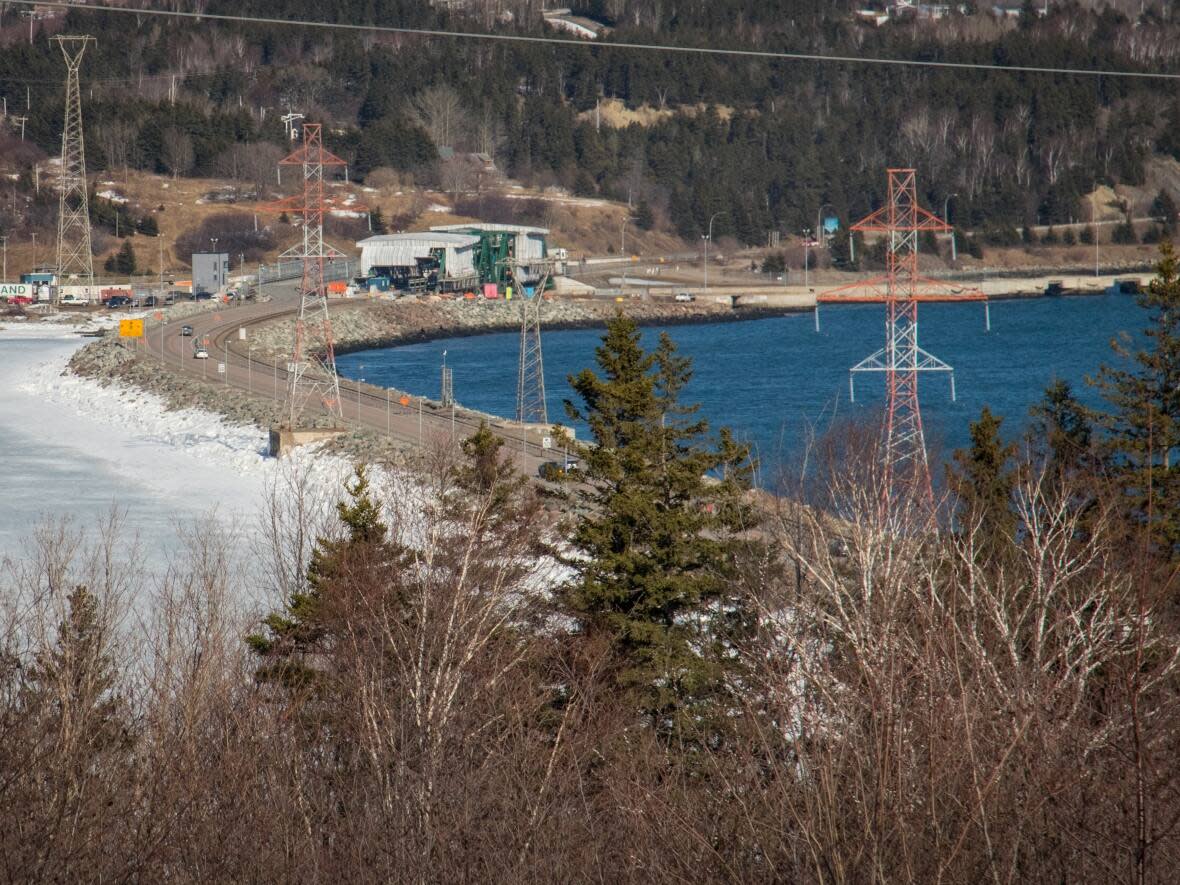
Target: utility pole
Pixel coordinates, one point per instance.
(906, 479)
(946, 218)
(22, 120)
(708, 237)
(623, 236)
(806, 257)
(1094, 223)
(312, 373)
(531, 407)
(5, 239)
(74, 257)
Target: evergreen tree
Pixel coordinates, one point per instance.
(377, 217)
(342, 572)
(645, 219)
(73, 681)
(982, 481)
(1164, 208)
(125, 259)
(655, 570)
(1143, 421)
(1060, 430)
(487, 480)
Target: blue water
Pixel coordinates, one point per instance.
(772, 379)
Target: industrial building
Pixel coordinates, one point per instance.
(419, 262)
(454, 257)
(505, 251)
(210, 272)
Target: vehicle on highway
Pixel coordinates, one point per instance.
(203, 296)
(684, 296)
(556, 471)
(186, 330)
(199, 352)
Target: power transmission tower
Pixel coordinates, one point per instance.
(74, 258)
(311, 373)
(530, 376)
(906, 474)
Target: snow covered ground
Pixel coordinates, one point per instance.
(73, 448)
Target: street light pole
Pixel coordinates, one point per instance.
(1094, 223)
(946, 218)
(708, 238)
(5, 239)
(806, 257)
(623, 236)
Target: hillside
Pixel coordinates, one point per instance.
(756, 146)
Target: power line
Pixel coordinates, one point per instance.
(599, 44)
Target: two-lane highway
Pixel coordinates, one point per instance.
(411, 420)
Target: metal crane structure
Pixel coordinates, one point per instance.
(74, 258)
(530, 376)
(311, 372)
(906, 471)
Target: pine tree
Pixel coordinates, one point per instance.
(982, 481)
(1143, 421)
(377, 217)
(1060, 430)
(657, 548)
(73, 681)
(342, 572)
(125, 259)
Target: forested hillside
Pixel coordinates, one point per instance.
(763, 143)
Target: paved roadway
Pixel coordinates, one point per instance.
(418, 423)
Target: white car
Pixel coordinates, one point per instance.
(684, 296)
(200, 353)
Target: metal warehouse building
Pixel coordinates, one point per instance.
(427, 261)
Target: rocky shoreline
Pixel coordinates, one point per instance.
(107, 361)
(369, 325)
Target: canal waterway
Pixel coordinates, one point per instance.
(772, 379)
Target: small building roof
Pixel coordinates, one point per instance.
(493, 228)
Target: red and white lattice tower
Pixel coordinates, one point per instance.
(906, 471)
(311, 372)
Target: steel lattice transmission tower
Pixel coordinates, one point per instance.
(530, 376)
(74, 258)
(901, 220)
(311, 373)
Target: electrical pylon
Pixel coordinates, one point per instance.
(74, 258)
(311, 373)
(530, 376)
(906, 468)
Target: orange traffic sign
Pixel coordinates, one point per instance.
(130, 328)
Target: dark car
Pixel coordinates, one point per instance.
(186, 330)
(151, 301)
(119, 301)
(203, 296)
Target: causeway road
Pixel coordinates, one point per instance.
(412, 421)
